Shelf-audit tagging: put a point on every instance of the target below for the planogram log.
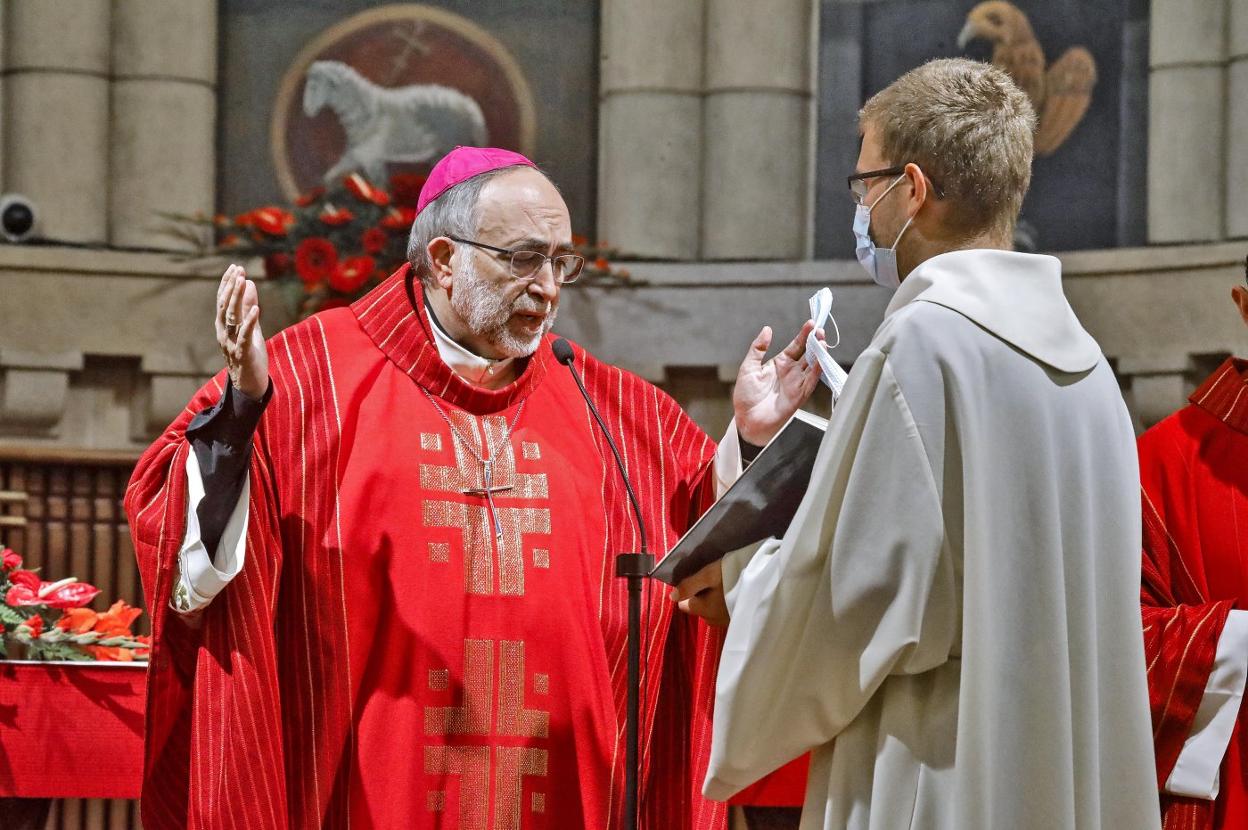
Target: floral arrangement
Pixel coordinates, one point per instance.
(50, 621)
(336, 243)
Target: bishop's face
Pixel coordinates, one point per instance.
(506, 316)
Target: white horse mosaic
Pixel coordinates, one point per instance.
(412, 124)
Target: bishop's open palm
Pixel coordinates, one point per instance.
(768, 392)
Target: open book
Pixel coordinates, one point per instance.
(761, 503)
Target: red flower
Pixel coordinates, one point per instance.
(399, 219)
(601, 264)
(579, 241)
(310, 197)
(21, 595)
(334, 216)
(351, 274)
(27, 579)
(74, 595)
(277, 264)
(406, 188)
(78, 620)
(35, 624)
(272, 220)
(373, 241)
(116, 621)
(67, 593)
(315, 260)
(230, 241)
(364, 191)
(10, 559)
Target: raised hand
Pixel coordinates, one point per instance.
(239, 335)
(769, 392)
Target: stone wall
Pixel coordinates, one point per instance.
(108, 111)
(100, 350)
(706, 128)
(1198, 121)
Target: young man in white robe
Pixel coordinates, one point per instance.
(952, 621)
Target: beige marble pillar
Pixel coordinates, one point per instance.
(1187, 120)
(757, 193)
(650, 127)
(1237, 120)
(55, 116)
(162, 135)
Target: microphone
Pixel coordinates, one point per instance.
(563, 353)
(634, 567)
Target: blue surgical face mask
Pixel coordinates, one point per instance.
(880, 263)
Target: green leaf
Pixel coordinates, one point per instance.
(42, 650)
(9, 616)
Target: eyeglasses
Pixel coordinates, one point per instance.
(525, 263)
(859, 184)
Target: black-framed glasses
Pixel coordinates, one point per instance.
(526, 263)
(859, 183)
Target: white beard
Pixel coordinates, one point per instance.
(486, 312)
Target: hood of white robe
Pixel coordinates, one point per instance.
(1018, 297)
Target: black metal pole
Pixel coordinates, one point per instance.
(634, 567)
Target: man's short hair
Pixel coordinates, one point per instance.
(453, 213)
(969, 128)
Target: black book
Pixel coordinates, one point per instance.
(760, 504)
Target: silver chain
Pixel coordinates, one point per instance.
(487, 464)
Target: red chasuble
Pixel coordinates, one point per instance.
(389, 657)
(1194, 470)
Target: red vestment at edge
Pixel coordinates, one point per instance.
(1194, 471)
(382, 661)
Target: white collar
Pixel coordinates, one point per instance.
(1018, 297)
(473, 368)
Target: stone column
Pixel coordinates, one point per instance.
(1186, 120)
(163, 116)
(650, 127)
(3, 71)
(757, 193)
(55, 117)
(1237, 120)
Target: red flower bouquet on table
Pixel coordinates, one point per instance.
(49, 620)
(336, 243)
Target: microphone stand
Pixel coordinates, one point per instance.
(633, 567)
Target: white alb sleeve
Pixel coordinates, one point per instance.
(1195, 773)
(728, 465)
(199, 576)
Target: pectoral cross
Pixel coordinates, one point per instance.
(487, 464)
(488, 491)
